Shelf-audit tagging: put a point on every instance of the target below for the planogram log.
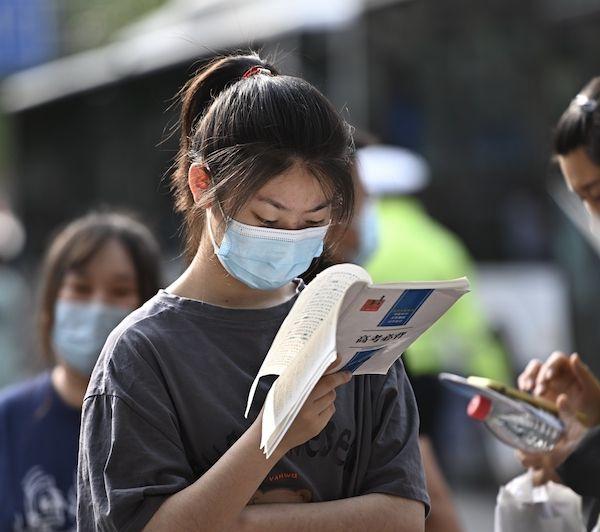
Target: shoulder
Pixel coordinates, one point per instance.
(132, 348)
(145, 322)
(24, 395)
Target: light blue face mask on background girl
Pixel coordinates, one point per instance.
(81, 329)
(266, 258)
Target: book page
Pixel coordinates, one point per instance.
(274, 429)
(289, 393)
(462, 283)
(317, 306)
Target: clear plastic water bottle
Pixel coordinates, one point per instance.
(508, 415)
(517, 423)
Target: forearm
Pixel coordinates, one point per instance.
(216, 500)
(374, 511)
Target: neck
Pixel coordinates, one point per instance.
(206, 280)
(69, 385)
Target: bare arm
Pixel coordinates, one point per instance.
(216, 500)
(219, 502)
(375, 511)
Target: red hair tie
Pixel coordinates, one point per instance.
(253, 71)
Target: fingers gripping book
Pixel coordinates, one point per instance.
(342, 316)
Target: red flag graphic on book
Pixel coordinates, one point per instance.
(372, 305)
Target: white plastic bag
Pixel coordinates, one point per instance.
(523, 507)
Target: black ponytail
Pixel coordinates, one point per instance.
(247, 130)
(579, 126)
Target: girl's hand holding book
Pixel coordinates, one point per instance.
(316, 412)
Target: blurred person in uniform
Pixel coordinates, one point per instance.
(97, 270)
(413, 246)
(406, 243)
(14, 299)
(575, 460)
(394, 238)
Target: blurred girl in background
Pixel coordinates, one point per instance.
(97, 270)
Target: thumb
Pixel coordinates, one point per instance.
(566, 410)
(338, 359)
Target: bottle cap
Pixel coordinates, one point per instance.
(479, 407)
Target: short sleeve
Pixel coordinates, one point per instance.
(131, 456)
(395, 466)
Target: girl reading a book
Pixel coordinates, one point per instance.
(263, 171)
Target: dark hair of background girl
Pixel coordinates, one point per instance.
(245, 131)
(579, 126)
(77, 243)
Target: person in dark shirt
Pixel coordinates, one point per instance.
(262, 173)
(575, 461)
(97, 270)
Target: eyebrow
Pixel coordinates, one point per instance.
(279, 206)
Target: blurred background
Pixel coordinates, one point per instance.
(87, 108)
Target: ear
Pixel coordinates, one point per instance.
(198, 181)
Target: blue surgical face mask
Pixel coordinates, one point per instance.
(368, 233)
(80, 330)
(265, 258)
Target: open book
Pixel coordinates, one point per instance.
(341, 313)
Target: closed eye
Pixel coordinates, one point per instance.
(267, 223)
(123, 291)
(79, 287)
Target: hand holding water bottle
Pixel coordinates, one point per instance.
(544, 464)
(564, 375)
(570, 383)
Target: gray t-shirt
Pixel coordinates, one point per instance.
(167, 400)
